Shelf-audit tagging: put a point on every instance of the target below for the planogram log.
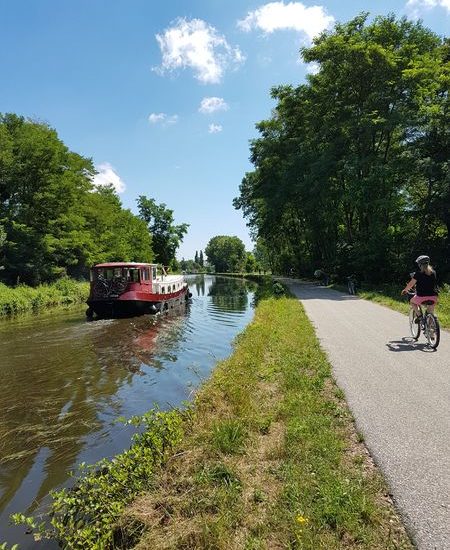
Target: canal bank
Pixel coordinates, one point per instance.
(267, 457)
(25, 299)
(66, 381)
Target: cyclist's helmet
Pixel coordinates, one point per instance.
(422, 260)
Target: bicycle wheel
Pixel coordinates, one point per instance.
(433, 331)
(413, 326)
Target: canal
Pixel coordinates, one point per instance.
(66, 381)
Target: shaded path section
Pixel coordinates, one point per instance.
(399, 393)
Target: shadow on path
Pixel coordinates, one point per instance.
(408, 344)
(314, 291)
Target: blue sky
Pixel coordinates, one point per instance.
(164, 96)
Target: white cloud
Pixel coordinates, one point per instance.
(165, 120)
(195, 44)
(212, 104)
(107, 175)
(214, 128)
(312, 68)
(415, 7)
(296, 16)
(154, 118)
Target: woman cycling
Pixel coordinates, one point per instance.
(426, 289)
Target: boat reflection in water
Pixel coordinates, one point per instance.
(65, 382)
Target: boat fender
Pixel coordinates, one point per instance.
(89, 313)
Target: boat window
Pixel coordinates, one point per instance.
(132, 274)
(154, 273)
(163, 290)
(104, 273)
(107, 273)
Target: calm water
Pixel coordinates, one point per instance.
(65, 381)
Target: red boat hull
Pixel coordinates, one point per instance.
(134, 303)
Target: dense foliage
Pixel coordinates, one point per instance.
(352, 169)
(226, 253)
(166, 235)
(53, 220)
(25, 299)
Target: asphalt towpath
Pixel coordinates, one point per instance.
(399, 393)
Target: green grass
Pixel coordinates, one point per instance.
(272, 458)
(25, 299)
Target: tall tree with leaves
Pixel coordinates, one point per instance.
(348, 157)
(41, 182)
(166, 236)
(226, 253)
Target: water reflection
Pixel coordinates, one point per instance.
(65, 382)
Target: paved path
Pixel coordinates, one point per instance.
(399, 393)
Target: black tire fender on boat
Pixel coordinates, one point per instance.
(89, 313)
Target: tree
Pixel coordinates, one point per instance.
(200, 259)
(41, 182)
(250, 263)
(352, 163)
(54, 221)
(196, 257)
(166, 236)
(226, 253)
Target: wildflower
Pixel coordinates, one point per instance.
(302, 520)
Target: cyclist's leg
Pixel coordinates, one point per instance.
(415, 306)
(429, 307)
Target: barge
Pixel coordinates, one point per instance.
(126, 289)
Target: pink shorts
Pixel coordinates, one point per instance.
(420, 299)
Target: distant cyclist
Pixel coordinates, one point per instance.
(425, 281)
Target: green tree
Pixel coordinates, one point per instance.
(41, 182)
(200, 259)
(54, 220)
(352, 162)
(226, 253)
(196, 257)
(166, 236)
(251, 264)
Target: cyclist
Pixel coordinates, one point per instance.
(426, 290)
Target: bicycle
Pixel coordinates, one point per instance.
(428, 323)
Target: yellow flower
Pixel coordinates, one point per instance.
(302, 520)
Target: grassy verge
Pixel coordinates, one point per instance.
(24, 299)
(389, 295)
(270, 457)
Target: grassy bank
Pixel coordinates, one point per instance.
(267, 457)
(24, 299)
(257, 277)
(271, 458)
(389, 295)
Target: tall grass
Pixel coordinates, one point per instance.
(25, 299)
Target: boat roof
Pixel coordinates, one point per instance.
(125, 264)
